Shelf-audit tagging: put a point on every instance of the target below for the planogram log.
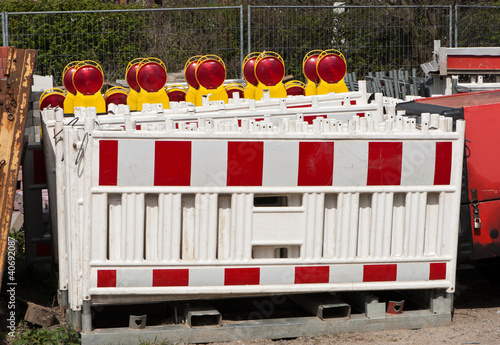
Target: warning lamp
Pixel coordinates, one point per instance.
(190, 76)
(295, 88)
(248, 69)
(176, 93)
(67, 78)
(52, 98)
(116, 95)
(131, 77)
(234, 88)
(151, 77)
(88, 79)
(269, 71)
(309, 69)
(331, 68)
(210, 74)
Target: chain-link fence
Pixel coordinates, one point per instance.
(477, 26)
(372, 38)
(114, 38)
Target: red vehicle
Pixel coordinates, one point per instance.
(479, 241)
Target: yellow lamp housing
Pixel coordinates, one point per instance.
(331, 67)
(270, 71)
(210, 74)
(88, 80)
(152, 76)
(248, 72)
(190, 76)
(295, 88)
(309, 70)
(116, 95)
(130, 77)
(233, 88)
(176, 93)
(67, 77)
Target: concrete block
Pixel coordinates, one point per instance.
(441, 304)
(374, 309)
(39, 315)
(42, 83)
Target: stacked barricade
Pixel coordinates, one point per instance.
(167, 212)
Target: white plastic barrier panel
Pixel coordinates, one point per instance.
(262, 209)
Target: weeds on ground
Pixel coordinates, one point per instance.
(46, 336)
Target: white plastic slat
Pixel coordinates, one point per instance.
(170, 227)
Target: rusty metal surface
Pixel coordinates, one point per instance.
(14, 102)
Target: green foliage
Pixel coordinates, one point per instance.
(44, 336)
(18, 235)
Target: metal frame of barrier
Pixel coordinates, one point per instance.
(265, 209)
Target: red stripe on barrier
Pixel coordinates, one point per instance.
(242, 276)
(245, 162)
(39, 167)
(106, 278)
(442, 170)
(384, 163)
(380, 273)
(312, 274)
(315, 163)
(437, 271)
(44, 249)
(172, 163)
(171, 277)
(108, 162)
(309, 118)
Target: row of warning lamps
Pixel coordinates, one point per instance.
(205, 75)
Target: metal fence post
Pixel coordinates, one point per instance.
(5, 29)
(456, 26)
(451, 26)
(249, 29)
(241, 35)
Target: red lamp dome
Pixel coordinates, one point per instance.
(190, 71)
(68, 72)
(151, 75)
(331, 67)
(131, 74)
(309, 66)
(210, 72)
(88, 78)
(269, 68)
(249, 68)
(52, 98)
(176, 93)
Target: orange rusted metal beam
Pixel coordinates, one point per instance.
(14, 98)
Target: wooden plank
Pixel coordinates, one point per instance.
(15, 94)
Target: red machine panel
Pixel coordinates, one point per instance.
(473, 62)
(487, 239)
(482, 133)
